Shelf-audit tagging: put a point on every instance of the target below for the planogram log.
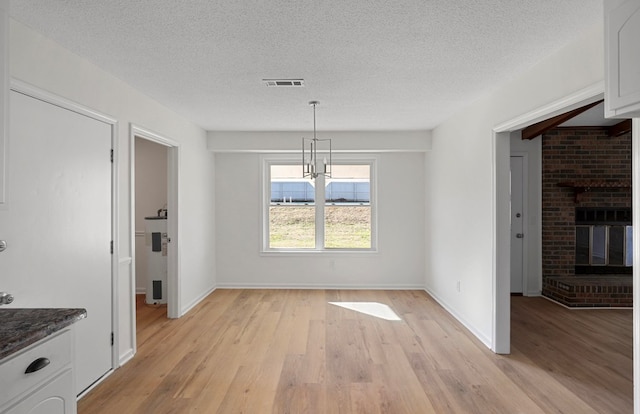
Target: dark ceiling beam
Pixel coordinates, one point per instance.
(541, 127)
(620, 128)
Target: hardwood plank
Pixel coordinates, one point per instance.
(294, 394)
(347, 359)
(399, 385)
(291, 351)
(314, 359)
(587, 352)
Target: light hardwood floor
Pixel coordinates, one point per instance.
(290, 351)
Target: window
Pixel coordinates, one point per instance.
(323, 214)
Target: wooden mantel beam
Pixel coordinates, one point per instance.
(541, 127)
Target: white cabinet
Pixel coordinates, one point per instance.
(54, 397)
(49, 387)
(4, 94)
(622, 58)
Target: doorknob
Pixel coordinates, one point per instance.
(3, 245)
(520, 235)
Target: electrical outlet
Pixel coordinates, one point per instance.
(458, 286)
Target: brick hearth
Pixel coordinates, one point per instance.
(591, 292)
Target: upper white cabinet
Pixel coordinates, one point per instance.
(4, 94)
(622, 58)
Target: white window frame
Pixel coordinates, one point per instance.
(338, 159)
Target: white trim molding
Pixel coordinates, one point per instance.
(576, 100)
(45, 96)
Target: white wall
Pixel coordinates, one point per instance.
(532, 149)
(46, 65)
(460, 181)
(151, 196)
(397, 264)
(342, 141)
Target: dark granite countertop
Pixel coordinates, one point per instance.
(21, 327)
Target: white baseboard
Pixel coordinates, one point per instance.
(197, 300)
(485, 340)
(95, 384)
(126, 357)
(225, 285)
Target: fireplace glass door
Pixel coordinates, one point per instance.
(604, 245)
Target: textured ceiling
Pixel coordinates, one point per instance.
(373, 65)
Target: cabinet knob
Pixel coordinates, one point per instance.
(5, 298)
(37, 365)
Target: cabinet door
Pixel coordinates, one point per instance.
(622, 69)
(56, 397)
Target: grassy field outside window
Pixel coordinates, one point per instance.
(346, 227)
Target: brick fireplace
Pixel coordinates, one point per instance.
(586, 176)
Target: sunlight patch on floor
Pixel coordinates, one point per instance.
(377, 309)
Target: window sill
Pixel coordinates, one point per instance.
(312, 252)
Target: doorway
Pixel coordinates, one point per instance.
(154, 195)
(150, 223)
(502, 205)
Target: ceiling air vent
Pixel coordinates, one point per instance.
(284, 83)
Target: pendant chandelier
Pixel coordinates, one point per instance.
(316, 153)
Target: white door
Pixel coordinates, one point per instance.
(57, 223)
(517, 225)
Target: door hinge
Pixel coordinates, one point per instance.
(111, 246)
(111, 338)
(112, 155)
